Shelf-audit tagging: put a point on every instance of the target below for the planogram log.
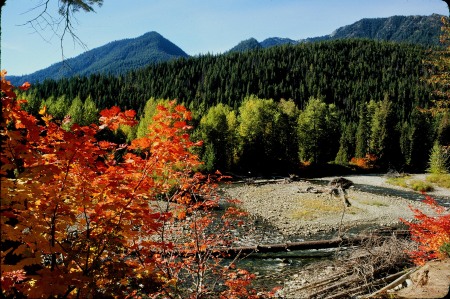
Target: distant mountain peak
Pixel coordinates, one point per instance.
(277, 41)
(117, 57)
(246, 45)
(252, 44)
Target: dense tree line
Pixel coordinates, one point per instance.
(309, 103)
(344, 72)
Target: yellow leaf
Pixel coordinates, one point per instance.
(43, 110)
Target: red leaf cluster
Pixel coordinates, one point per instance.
(432, 233)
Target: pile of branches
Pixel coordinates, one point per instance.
(362, 271)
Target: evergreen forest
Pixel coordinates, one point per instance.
(278, 109)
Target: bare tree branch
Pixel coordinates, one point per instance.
(60, 24)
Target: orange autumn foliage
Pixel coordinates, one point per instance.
(82, 217)
(368, 162)
(431, 233)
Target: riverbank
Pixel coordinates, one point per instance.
(294, 211)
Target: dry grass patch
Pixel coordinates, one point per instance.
(374, 202)
(442, 179)
(314, 208)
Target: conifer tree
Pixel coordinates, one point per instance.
(362, 132)
(346, 145)
(384, 140)
(147, 116)
(75, 113)
(439, 160)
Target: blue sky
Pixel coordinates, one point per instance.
(196, 26)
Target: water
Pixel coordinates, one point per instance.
(272, 269)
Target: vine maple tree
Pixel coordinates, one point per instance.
(85, 217)
(367, 162)
(432, 233)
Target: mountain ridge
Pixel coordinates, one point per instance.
(423, 30)
(119, 57)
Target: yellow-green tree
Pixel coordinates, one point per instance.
(257, 133)
(218, 132)
(317, 132)
(147, 116)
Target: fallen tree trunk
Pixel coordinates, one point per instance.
(281, 247)
(305, 245)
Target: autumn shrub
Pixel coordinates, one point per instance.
(367, 162)
(83, 217)
(305, 164)
(431, 233)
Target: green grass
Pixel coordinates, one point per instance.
(441, 180)
(399, 181)
(407, 182)
(375, 203)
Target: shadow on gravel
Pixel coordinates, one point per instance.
(389, 192)
(411, 195)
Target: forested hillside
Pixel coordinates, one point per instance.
(278, 108)
(342, 72)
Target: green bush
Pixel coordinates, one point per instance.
(420, 186)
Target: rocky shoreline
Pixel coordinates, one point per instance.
(295, 212)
